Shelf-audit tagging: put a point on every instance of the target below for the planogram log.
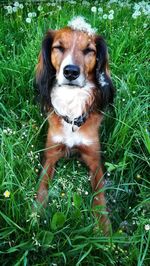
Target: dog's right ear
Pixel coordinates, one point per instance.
(45, 72)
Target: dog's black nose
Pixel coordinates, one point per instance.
(71, 72)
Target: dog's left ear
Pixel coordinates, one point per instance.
(103, 79)
(45, 72)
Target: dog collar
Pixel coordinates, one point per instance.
(78, 121)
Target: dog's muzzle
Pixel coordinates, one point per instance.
(71, 72)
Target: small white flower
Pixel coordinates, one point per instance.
(100, 10)
(16, 4)
(138, 13)
(15, 8)
(28, 20)
(147, 227)
(29, 15)
(93, 9)
(134, 16)
(34, 14)
(111, 12)
(9, 9)
(21, 6)
(110, 16)
(86, 193)
(136, 6)
(105, 16)
(7, 194)
(40, 8)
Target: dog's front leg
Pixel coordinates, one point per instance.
(53, 153)
(91, 156)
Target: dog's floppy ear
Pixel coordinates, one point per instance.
(103, 79)
(45, 72)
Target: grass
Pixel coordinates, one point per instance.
(64, 234)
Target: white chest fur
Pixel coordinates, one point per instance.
(71, 101)
(70, 138)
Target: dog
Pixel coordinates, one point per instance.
(74, 84)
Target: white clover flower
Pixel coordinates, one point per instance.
(28, 20)
(16, 4)
(34, 14)
(15, 8)
(110, 16)
(134, 16)
(21, 6)
(136, 6)
(138, 13)
(29, 15)
(111, 12)
(147, 227)
(9, 9)
(40, 8)
(5, 131)
(94, 9)
(100, 10)
(105, 16)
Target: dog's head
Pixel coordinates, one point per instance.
(74, 56)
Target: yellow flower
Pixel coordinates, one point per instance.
(7, 194)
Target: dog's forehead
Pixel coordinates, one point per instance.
(68, 36)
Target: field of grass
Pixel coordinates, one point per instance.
(64, 234)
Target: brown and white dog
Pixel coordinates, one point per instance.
(74, 84)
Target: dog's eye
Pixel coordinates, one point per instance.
(60, 48)
(88, 50)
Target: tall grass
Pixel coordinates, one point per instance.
(65, 233)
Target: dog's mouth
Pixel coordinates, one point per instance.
(72, 84)
(79, 82)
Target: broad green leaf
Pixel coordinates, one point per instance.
(77, 199)
(45, 237)
(58, 220)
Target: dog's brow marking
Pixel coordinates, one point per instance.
(74, 41)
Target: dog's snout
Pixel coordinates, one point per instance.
(71, 72)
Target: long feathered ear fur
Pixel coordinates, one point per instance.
(103, 79)
(45, 72)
